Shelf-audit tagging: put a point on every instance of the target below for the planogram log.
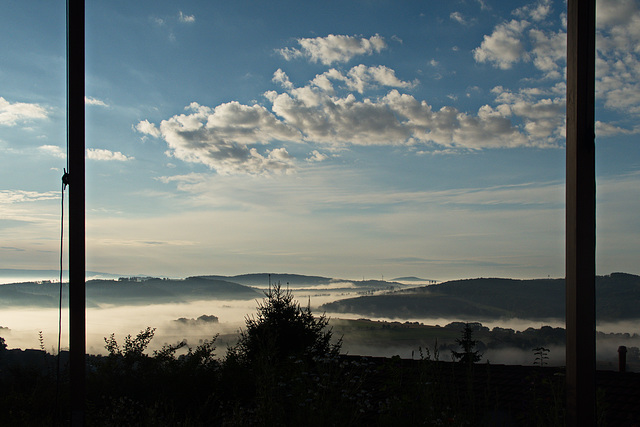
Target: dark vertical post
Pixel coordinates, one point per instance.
(580, 211)
(76, 143)
(622, 358)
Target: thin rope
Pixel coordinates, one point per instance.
(65, 178)
(61, 265)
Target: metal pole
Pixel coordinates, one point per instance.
(580, 214)
(75, 152)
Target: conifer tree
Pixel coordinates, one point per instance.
(282, 329)
(468, 355)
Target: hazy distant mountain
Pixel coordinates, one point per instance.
(410, 279)
(618, 297)
(261, 280)
(11, 275)
(147, 290)
(296, 281)
(128, 292)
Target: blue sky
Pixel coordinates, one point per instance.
(347, 139)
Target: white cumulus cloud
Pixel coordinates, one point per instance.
(12, 113)
(395, 119)
(542, 113)
(106, 155)
(549, 52)
(504, 46)
(147, 128)
(316, 156)
(227, 138)
(334, 48)
(617, 60)
(53, 150)
(358, 78)
(538, 11)
(221, 138)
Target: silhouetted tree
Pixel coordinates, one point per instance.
(468, 354)
(542, 356)
(283, 329)
(3, 345)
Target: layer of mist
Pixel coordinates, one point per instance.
(24, 324)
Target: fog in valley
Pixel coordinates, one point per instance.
(21, 326)
(25, 323)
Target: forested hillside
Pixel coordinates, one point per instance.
(618, 297)
(128, 292)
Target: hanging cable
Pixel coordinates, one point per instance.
(65, 182)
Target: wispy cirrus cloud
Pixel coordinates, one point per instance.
(23, 196)
(186, 19)
(88, 100)
(609, 129)
(170, 22)
(459, 18)
(315, 190)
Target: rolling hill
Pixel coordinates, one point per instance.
(299, 281)
(128, 292)
(618, 298)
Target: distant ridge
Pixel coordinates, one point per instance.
(410, 279)
(618, 298)
(43, 292)
(9, 275)
(261, 280)
(129, 291)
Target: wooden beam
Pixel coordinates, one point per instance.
(580, 214)
(76, 161)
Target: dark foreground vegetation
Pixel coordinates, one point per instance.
(286, 370)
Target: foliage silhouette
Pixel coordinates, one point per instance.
(133, 347)
(283, 329)
(468, 355)
(542, 356)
